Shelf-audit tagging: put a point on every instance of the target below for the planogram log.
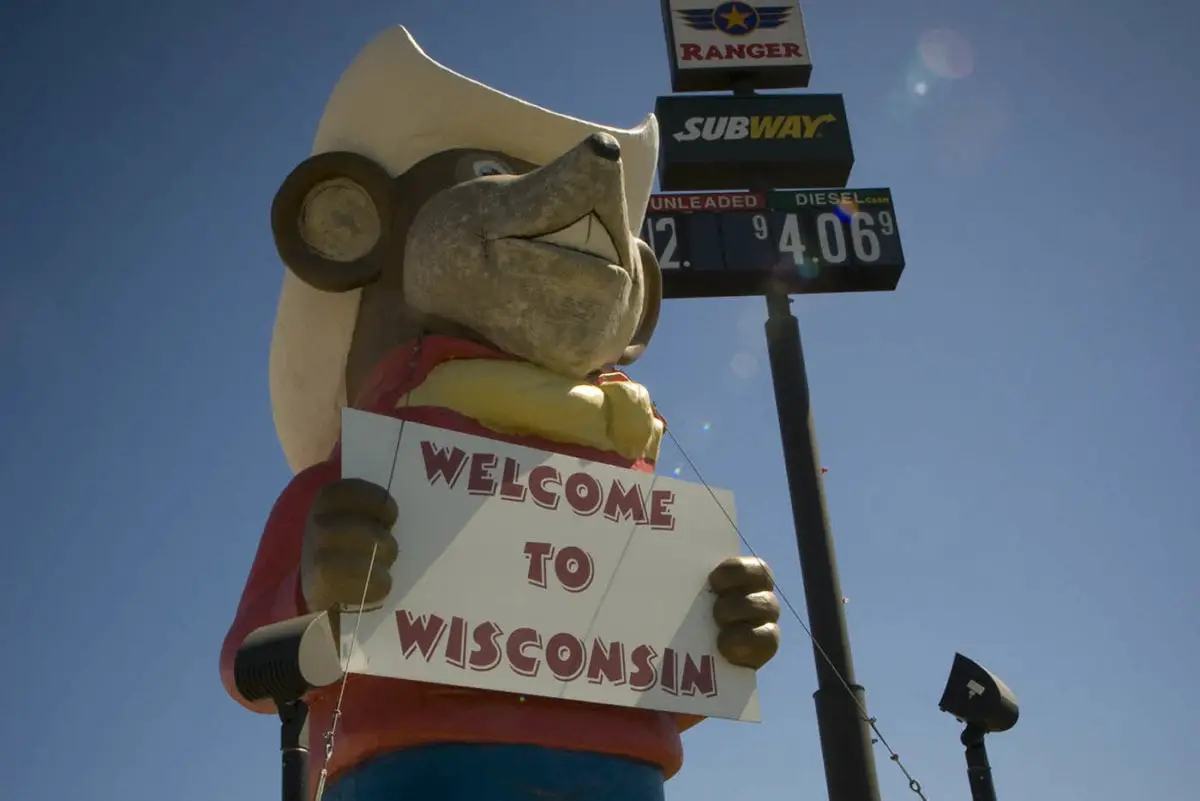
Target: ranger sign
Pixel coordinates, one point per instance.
(714, 43)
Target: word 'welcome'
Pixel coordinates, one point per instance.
(547, 487)
(483, 647)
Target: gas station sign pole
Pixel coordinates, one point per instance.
(732, 235)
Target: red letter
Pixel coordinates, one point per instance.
(487, 653)
(606, 663)
(538, 478)
(756, 51)
(538, 553)
(424, 632)
(510, 488)
(774, 50)
(518, 660)
(660, 510)
(791, 50)
(480, 481)
(442, 462)
(703, 678)
(645, 674)
(691, 52)
(625, 504)
(564, 656)
(713, 54)
(456, 643)
(670, 671)
(584, 494)
(574, 569)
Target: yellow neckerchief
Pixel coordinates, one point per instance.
(523, 399)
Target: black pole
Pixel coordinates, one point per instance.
(979, 769)
(845, 734)
(293, 718)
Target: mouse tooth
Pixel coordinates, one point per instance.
(586, 235)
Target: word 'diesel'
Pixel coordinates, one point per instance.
(547, 487)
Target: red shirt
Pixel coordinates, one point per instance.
(381, 715)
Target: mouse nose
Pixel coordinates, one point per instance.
(605, 146)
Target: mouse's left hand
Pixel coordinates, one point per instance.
(746, 611)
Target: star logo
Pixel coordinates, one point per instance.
(735, 18)
(738, 18)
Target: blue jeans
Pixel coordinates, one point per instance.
(456, 772)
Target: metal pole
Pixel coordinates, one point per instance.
(845, 734)
(293, 732)
(979, 769)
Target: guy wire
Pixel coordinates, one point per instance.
(337, 710)
(913, 784)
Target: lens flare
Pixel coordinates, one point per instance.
(705, 426)
(945, 53)
(744, 365)
(845, 210)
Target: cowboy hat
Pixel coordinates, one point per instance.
(396, 106)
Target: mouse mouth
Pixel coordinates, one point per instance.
(587, 235)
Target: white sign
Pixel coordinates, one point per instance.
(712, 34)
(540, 574)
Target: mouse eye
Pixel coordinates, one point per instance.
(484, 167)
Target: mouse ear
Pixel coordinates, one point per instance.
(332, 221)
(651, 305)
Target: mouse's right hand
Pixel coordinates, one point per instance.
(349, 518)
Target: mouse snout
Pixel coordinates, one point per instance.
(605, 146)
(576, 200)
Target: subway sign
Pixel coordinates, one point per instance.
(723, 142)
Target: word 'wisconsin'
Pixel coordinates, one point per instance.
(547, 487)
(485, 646)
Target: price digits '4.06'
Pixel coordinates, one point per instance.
(840, 237)
(763, 240)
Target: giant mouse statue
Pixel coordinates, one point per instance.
(464, 259)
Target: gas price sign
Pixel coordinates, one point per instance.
(722, 244)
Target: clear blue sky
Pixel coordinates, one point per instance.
(1011, 437)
